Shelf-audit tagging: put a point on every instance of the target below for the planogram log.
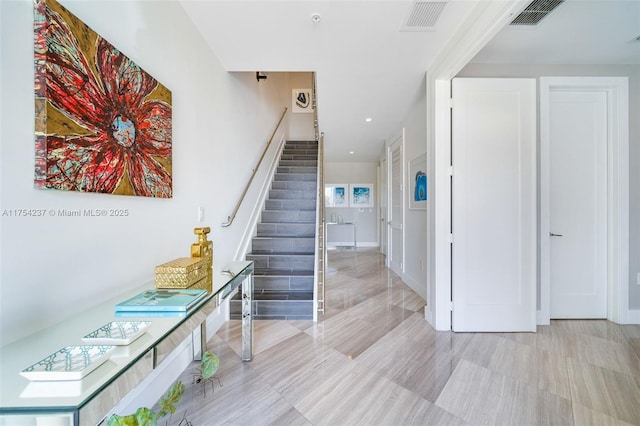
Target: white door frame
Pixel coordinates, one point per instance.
(617, 90)
(389, 255)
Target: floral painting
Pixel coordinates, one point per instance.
(102, 123)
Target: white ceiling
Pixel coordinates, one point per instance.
(576, 32)
(366, 66)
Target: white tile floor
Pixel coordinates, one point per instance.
(373, 360)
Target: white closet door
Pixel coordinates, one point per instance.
(578, 203)
(494, 205)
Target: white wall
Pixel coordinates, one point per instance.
(416, 259)
(300, 124)
(415, 226)
(631, 71)
(53, 267)
(366, 219)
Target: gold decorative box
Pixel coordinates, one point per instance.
(205, 283)
(182, 272)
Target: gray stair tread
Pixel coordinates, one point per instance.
(296, 222)
(286, 290)
(280, 295)
(261, 272)
(277, 253)
(267, 295)
(269, 235)
(283, 237)
(297, 176)
(281, 253)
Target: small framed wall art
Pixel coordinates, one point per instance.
(418, 183)
(301, 100)
(361, 195)
(336, 195)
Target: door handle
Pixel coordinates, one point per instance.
(551, 234)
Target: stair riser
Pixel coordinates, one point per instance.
(302, 142)
(292, 194)
(286, 229)
(298, 157)
(310, 150)
(288, 262)
(307, 205)
(274, 216)
(299, 153)
(283, 283)
(308, 146)
(295, 184)
(281, 310)
(295, 169)
(298, 163)
(283, 245)
(278, 177)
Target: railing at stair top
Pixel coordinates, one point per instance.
(255, 170)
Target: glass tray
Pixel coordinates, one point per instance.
(69, 363)
(117, 333)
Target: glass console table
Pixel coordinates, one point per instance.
(87, 401)
(352, 224)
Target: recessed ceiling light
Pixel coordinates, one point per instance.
(368, 119)
(315, 18)
(351, 152)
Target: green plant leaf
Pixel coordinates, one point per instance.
(123, 420)
(146, 417)
(170, 399)
(142, 417)
(210, 364)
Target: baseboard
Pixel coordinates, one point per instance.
(415, 286)
(633, 317)
(542, 318)
(428, 316)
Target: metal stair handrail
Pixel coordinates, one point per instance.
(321, 244)
(255, 170)
(321, 232)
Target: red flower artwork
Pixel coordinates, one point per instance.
(102, 123)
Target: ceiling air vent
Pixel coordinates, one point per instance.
(423, 15)
(536, 12)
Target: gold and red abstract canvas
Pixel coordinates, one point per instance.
(102, 123)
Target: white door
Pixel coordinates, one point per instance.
(384, 196)
(494, 205)
(578, 203)
(396, 198)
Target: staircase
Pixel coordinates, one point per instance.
(284, 246)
